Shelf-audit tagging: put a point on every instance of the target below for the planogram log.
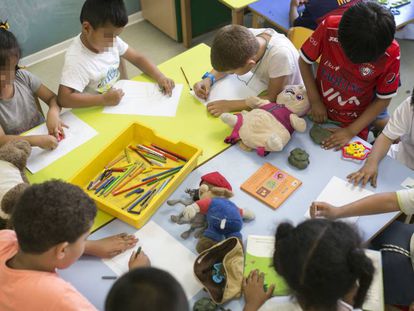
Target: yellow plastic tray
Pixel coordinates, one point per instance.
(133, 135)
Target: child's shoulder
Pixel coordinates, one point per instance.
(331, 22)
(393, 50)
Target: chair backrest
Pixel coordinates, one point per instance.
(298, 35)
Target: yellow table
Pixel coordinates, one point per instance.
(192, 123)
(237, 9)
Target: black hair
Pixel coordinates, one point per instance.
(9, 47)
(51, 213)
(321, 261)
(366, 30)
(146, 289)
(100, 12)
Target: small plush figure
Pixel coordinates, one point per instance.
(13, 181)
(269, 126)
(299, 158)
(224, 218)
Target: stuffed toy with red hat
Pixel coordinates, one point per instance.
(224, 218)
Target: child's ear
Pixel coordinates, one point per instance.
(61, 250)
(86, 27)
(251, 62)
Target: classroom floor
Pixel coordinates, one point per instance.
(159, 47)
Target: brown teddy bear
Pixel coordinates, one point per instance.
(13, 181)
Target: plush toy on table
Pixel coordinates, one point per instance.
(13, 181)
(224, 218)
(269, 126)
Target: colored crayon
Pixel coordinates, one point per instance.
(134, 186)
(104, 184)
(139, 200)
(163, 153)
(161, 178)
(169, 152)
(140, 154)
(112, 163)
(159, 154)
(122, 177)
(128, 157)
(186, 79)
(138, 191)
(126, 181)
(132, 201)
(153, 157)
(162, 173)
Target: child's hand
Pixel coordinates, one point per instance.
(166, 84)
(202, 88)
(55, 126)
(113, 97)
(323, 209)
(110, 246)
(48, 142)
(216, 108)
(140, 260)
(339, 138)
(318, 112)
(254, 293)
(369, 172)
(296, 3)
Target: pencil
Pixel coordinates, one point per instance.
(138, 251)
(134, 186)
(112, 163)
(165, 172)
(153, 181)
(140, 154)
(163, 153)
(169, 152)
(185, 77)
(126, 181)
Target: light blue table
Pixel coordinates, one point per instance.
(237, 165)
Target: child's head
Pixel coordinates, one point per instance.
(102, 21)
(9, 55)
(53, 218)
(146, 289)
(366, 30)
(233, 50)
(322, 261)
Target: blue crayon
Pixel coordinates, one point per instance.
(104, 184)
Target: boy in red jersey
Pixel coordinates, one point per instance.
(358, 71)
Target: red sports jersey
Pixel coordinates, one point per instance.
(346, 88)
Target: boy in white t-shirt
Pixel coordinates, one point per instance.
(93, 61)
(400, 126)
(270, 56)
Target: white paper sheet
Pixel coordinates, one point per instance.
(145, 98)
(408, 183)
(77, 134)
(234, 87)
(166, 253)
(338, 192)
(375, 295)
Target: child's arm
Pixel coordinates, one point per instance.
(202, 88)
(276, 85)
(53, 122)
(318, 109)
(70, 98)
(369, 171)
(43, 141)
(143, 63)
(342, 136)
(373, 204)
